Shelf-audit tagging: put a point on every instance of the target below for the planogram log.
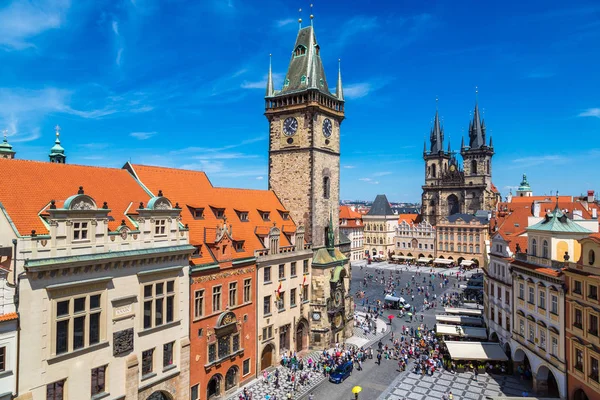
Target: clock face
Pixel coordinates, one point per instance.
(338, 320)
(316, 316)
(452, 168)
(290, 126)
(327, 127)
(338, 298)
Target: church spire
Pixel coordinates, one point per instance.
(270, 90)
(57, 152)
(476, 128)
(339, 91)
(437, 134)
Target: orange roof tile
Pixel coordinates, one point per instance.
(538, 269)
(410, 218)
(8, 317)
(346, 212)
(29, 186)
(194, 187)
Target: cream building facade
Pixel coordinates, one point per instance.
(352, 226)
(284, 279)
(463, 238)
(8, 324)
(380, 228)
(415, 239)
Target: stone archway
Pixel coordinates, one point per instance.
(232, 377)
(521, 364)
(453, 204)
(545, 382)
(213, 388)
(494, 337)
(579, 394)
(266, 357)
(302, 335)
(160, 395)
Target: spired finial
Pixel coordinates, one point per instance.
(299, 18)
(476, 94)
(57, 130)
(436, 102)
(5, 134)
(311, 15)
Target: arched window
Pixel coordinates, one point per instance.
(473, 167)
(487, 167)
(433, 171)
(533, 247)
(300, 51)
(477, 248)
(591, 257)
(231, 378)
(545, 249)
(326, 187)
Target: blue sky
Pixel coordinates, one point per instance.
(181, 84)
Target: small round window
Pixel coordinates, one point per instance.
(591, 257)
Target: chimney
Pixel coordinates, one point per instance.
(536, 209)
(577, 214)
(594, 213)
(590, 196)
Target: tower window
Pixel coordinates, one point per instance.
(473, 167)
(326, 188)
(286, 82)
(300, 51)
(433, 167)
(303, 79)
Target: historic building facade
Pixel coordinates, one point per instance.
(415, 239)
(8, 322)
(304, 170)
(380, 228)
(104, 286)
(450, 188)
(498, 292)
(539, 292)
(583, 321)
(463, 238)
(352, 226)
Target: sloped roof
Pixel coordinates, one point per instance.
(409, 218)
(29, 186)
(466, 218)
(346, 212)
(557, 221)
(193, 188)
(381, 206)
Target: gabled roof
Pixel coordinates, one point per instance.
(409, 218)
(381, 206)
(193, 188)
(466, 218)
(346, 212)
(29, 186)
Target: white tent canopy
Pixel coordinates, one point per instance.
(464, 311)
(461, 331)
(467, 263)
(442, 261)
(459, 320)
(480, 351)
(424, 259)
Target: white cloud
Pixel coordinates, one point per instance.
(590, 112)
(349, 166)
(115, 27)
(357, 90)
(262, 84)
(384, 173)
(260, 178)
(365, 179)
(119, 55)
(142, 135)
(538, 160)
(21, 21)
(284, 22)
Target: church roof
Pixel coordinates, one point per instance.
(437, 135)
(381, 206)
(557, 221)
(306, 69)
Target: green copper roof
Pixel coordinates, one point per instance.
(306, 61)
(337, 272)
(557, 221)
(524, 187)
(322, 257)
(5, 147)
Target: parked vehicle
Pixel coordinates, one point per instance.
(341, 372)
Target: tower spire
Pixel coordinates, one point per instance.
(476, 129)
(339, 91)
(437, 134)
(270, 90)
(57, 152)
(6, 150)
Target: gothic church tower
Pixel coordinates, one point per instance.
(304, 140)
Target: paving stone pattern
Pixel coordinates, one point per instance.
(462, 385)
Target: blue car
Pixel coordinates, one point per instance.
(341, 372)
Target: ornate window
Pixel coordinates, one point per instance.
(159, 226)
(545, 249)
(159, 303)
(80, 230)
(533, 247)
(198, 303)
(77, 323)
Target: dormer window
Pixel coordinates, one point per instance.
(239, 246)
(284, 215)
(243, 216)
(198, 251)
(198, 213)
(286, 82)
(321, 82)
(303, 79)
(80, 230)
(266, 216)
(344, 221)
(300, 51)
(159, 226)
(219, 212)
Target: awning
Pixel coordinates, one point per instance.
(467, 263)
(442, 261)
(391, 298)
(459, 320)
(479, 351)
(461, 331)
(395, 257)
(424, 259)
(464, 311)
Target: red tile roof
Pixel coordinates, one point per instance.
(29, 186)
(193, 189)
(353, 217)
(538, 269)
(410, 218)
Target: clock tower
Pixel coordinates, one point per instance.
(304, 140)
(304, 171)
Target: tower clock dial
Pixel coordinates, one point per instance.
(290, 126)
(327, 127)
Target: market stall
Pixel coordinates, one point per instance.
(463, 331)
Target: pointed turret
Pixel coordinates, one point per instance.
(462, 143)
(339, 91)
(437, 135)
(306, 69)
(425, 146)
(476, 130)
(449, 150)
(491, 142)
(270, 89)
(57, 152)
(330, 235)
(6, 150)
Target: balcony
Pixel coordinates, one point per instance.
(541, 261)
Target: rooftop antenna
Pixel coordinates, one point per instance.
(299, 18)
